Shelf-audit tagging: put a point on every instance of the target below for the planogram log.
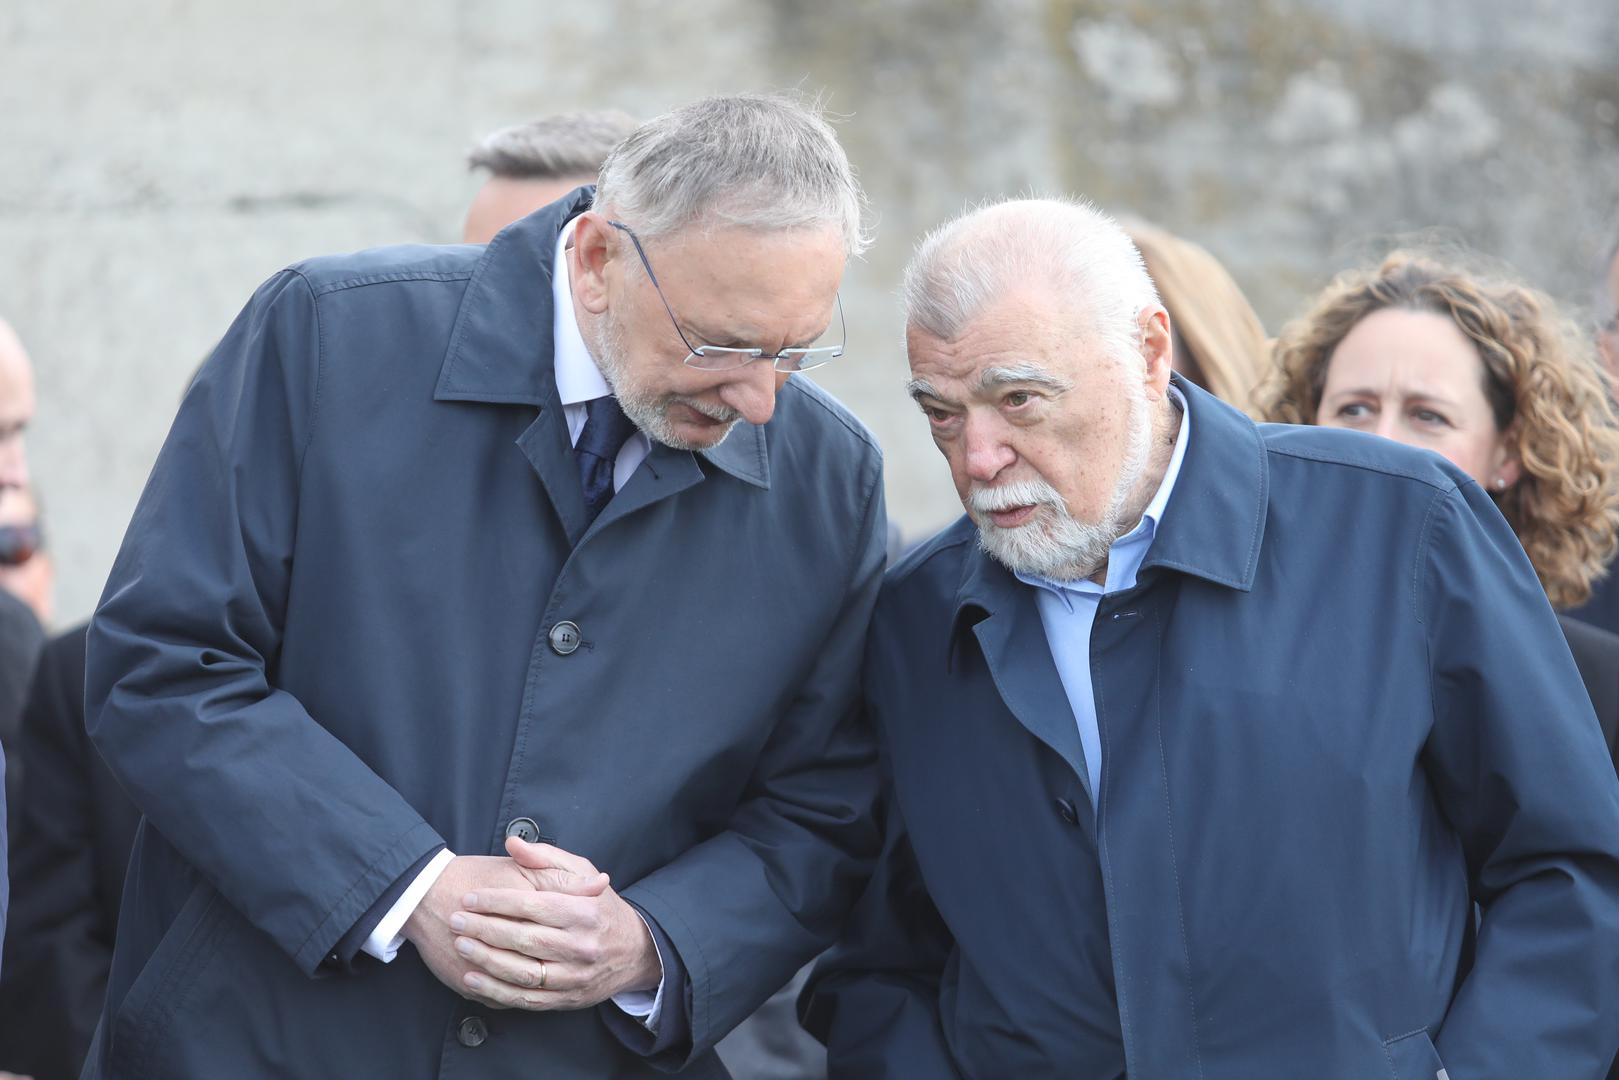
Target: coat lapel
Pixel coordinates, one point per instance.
(545, 444)
(1014, 645)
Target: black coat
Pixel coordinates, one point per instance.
(1596, 654)
(1602, 609)
(75, 830)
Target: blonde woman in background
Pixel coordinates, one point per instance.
(1219, 341)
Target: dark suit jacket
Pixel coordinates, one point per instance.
(1602, 609)
(20, 639)
(72, 847)
(1596, 654)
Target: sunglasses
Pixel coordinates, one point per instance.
(19, 543)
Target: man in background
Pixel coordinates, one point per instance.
(20, 634)
(534, 164)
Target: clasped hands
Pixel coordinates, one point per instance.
(541, 930)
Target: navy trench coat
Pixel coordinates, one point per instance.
(1335, 711)
(326, 649)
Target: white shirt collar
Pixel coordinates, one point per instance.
(1154, 512)
(578, 378)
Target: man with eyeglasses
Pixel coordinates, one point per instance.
(508, 602)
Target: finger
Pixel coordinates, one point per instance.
(547, 857)
(516, 969)
(503, 995)
(566, 881)
(515, 935)
(556, 909)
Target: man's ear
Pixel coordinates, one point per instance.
(1157, 348)
(592, 251)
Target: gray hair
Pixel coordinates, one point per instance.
(554, 147)
(761, 161)
(965, 264)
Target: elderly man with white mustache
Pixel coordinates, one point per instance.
(1203, 740)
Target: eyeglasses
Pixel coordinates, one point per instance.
(720, 358)
(19, 543)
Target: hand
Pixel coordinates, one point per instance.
(13, 1076)
(428, 927)
(550, 949)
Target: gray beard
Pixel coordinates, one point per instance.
(649, 411)
(1054, 544)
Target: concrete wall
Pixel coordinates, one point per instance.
(158, 160)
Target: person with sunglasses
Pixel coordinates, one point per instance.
(507, 602)
(26, 570)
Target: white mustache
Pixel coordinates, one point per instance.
(714, 412)
(988, 500)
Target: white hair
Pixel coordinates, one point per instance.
(761, 161)
(1082, 253)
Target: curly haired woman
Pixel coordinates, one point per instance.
(1486, 372)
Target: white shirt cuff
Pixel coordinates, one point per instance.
(645, 1005)
(385, 940)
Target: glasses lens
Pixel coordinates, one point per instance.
(714, 358)
(806, 359)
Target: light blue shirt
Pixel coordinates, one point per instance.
(1068, 608)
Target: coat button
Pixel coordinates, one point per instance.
(1066, 811)
(564, 637)
(472, 1032)
(525, 829)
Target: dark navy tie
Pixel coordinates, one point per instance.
(606, 429)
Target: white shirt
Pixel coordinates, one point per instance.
(579, 381)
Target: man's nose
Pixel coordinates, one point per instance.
(986, 449)
(13, 463)
(752, 392)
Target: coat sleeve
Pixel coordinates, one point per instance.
(751, 905)
(874, 999)
(297, 833)
(1518, 766)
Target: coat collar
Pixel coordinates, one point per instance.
(1212, 527)
(501, 345)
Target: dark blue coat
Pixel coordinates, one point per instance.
(1335, 712)
(324, 651)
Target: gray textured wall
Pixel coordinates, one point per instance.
(158, 160)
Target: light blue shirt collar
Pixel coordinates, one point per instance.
(1128, 551)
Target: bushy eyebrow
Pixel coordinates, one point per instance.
(996, 377)
(1023, 375)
